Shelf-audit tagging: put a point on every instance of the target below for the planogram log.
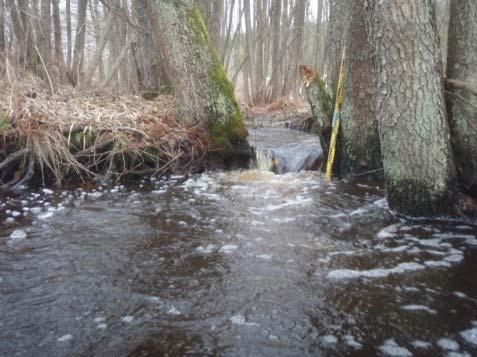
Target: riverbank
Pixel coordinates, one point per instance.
(91, 136)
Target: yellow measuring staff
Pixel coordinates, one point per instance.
(336, 119)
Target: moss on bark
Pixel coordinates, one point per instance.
(225, 121)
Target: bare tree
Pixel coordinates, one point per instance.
(68, 35)
(2, 26)
(78, 55)
(58, 42)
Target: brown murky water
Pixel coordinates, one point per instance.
(231, 263)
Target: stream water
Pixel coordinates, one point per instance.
(242, 263)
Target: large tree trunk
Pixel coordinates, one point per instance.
(204, 95)
(78, 55)
(358, 144)
(415, 137)
(461, 103)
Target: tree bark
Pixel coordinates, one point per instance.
(461, 102)
(415, 138)
(149, 65)
(78, 55)
(276, 13)
(44, 42)
(250, 46)
(2, 27)
(204, 96)
(60, 63)
(100, 45)
(298, 39)
(358, 142)
(68, 35)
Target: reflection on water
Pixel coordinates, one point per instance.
(238, 263)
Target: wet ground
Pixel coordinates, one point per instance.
(237, 264)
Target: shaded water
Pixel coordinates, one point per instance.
(237, 263)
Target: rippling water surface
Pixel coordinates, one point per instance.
(237, 263)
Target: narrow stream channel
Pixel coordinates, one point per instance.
(242, 263)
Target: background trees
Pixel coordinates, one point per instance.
(260, 43)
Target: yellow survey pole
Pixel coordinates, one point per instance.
(336, 119)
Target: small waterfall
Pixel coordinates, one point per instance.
(287, 151)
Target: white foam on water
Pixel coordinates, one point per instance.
(460, 294)
(45, 215)
(398, 249)
(18, 235)
(344, 274)
(16, 214)
(422, 345)
(457, 354)
(358, 211)
(329, 339)
(47, 191)
(205, 250)
(382, 203)
(65, 338)
(391, 348)
(101, 326)
(388, 232)
(418, 308)
(100, 319)
(437, 264)
(36, 210)
(129, 318)
(173, 311)
(454, 258)
(264, 256)
(228, 248)
(351, 342)
(448, 344)
(470, 336)
(241, 320)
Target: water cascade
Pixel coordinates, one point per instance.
(286, 150)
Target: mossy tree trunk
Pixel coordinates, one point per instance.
(461, 103)
(414, 133)
(204, 96)
(322, 110)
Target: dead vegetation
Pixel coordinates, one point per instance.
(90, 136)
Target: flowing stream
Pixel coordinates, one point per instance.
(241, 263)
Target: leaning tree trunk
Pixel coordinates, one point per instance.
(461, 103)
(415, 137)
(204, 96)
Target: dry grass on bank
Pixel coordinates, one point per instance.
(90, 135)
